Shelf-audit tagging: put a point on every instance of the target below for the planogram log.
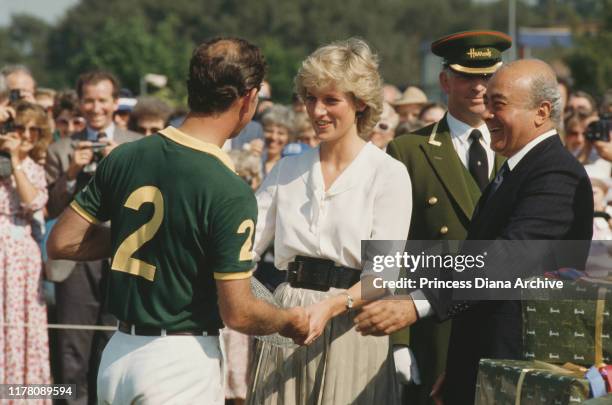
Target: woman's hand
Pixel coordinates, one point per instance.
(6, 113)
(10, 143)
(320, 313)
(604, 149)
(256, 146)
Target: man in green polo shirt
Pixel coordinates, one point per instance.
(180, 241)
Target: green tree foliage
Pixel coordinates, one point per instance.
(132, 50)
(591, 60)
(135, 37)
(24, 41)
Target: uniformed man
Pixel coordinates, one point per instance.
(450, 162)
(182, 228)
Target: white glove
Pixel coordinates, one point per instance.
(406, 367)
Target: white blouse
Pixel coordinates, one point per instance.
(371, 199)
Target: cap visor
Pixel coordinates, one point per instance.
(475, 70)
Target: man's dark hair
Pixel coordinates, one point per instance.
(65, 100)
(96, 77)
(222, 70)
(584, 94)
(149, 108)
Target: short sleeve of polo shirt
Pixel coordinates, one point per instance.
(232, 233)
(91, 201)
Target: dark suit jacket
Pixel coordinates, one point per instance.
(59, 156)
(547, 196)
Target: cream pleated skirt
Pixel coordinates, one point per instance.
(340, 367)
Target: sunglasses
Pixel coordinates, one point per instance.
(148, 130)
(384, 127)
(75, 121)
(21, 130)
(581, 113)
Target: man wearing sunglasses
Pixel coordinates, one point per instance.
(450, 163)
(149, 116)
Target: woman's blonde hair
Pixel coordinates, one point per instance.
(26, 112)
(351, 67)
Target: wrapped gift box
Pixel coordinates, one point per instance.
(607, 400)
(517, 382)
(576, 330)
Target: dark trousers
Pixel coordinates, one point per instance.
(492, 330)
(80, 300)
(429, 344)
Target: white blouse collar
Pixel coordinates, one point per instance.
(349, 178)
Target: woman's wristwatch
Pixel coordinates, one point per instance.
(349, 301)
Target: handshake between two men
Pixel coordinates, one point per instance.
(244, 312)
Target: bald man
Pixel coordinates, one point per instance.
(541, 193)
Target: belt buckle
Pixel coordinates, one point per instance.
(322, 276)
(315, 277)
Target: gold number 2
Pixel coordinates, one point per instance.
(123, 260)
(245, 252)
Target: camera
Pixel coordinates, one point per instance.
(599, 130)
(97, 148)
(6, 168)
(7, 126)
(15, 96)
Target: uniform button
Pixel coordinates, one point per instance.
(444, 230)
(432, 201)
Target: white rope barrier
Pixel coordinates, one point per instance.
(59, 326)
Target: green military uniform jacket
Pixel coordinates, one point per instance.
(444, 195)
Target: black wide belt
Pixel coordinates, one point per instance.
(320, 274)
(136, 330)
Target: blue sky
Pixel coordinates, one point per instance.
(48, 10)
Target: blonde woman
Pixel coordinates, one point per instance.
(317, 207)
(24, 351)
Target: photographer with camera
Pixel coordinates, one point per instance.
(20, 83)
(586, 137)
(24, 351)
(71, 162)
(600, 133)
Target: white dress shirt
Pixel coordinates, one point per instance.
(518, 156)
(460, 135)
(109, 131)
(370, 199)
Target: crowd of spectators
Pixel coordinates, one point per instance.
(48, 149)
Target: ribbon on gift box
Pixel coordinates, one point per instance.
(596, 382)
(606, 372)
(596, 375)
(568, 369)
(599, 320)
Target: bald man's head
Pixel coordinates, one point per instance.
(541, 81)
(523, 102)
(221, 71)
